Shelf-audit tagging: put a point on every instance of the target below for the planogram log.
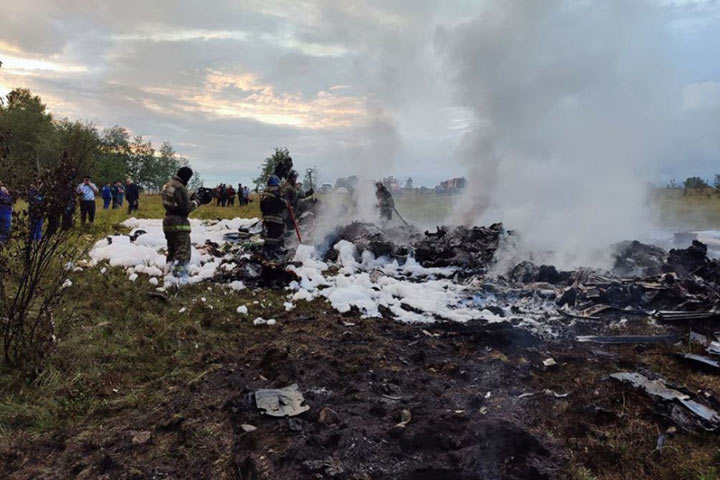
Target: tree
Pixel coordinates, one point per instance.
(113, 162)
(716, 182)
(409, 183)
(140, 161)
(27, 128)
(195, 182)
(165, 165)
(34, 141)
(269, 164)
(79, 141)
(696, 183)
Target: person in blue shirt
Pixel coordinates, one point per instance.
(36, 203)
(106, 196)
(6, 209)
(115, 195)
(87, 191)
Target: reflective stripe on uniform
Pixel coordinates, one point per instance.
(176, 228)
(272, 219)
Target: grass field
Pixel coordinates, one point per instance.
(699, 210)
(672, 209)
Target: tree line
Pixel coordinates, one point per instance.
(35, 141)
(695, 183)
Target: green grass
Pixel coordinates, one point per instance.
(698, 210)
(116, 346)
(121, 349)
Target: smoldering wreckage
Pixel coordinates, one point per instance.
(484, 374)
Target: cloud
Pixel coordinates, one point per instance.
(227, 81)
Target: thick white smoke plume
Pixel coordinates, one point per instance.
(574, 104)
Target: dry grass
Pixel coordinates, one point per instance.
(698, 210)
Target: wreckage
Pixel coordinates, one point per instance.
(451, 274)
(676, 288)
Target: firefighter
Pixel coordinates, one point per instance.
(283, 167)
(385, 204)
(273, 207)
(178, 204)
(294, 194)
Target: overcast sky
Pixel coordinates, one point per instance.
(345, 85)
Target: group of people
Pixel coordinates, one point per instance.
(224, 195)
(116, 193)
(85, 192)
(280, 199)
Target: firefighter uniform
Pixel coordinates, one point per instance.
(386, 203)
(273, 208)
(295, 196)
(176, 225)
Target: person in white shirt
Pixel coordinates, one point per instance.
(87, 191)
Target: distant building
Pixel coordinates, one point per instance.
(453, 185)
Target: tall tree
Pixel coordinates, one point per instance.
(695, 183)
(113, 162)
(28, 131)
(269, 164)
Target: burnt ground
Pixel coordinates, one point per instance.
(462, 383)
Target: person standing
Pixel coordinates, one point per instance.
(121, 193)
(132, 193)
(36, 212)
(292, 192)
(223, 195)
(178, 204)
(273, 207)
(114, 195)
(6, 209)
(87, 191)
(231, 196)
(106, 196)
(385, 204)
(240, 192)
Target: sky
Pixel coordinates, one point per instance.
(387, 87)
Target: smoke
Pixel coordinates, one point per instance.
(574, 104)
(371, 154)
(374, 154)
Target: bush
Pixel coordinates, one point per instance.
(33, 264)
(695, 183)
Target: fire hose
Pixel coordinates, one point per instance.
(292, 217)
(400, 216)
